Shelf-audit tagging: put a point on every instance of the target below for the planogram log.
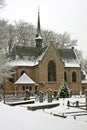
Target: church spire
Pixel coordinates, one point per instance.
(38, 38)
(38, 22)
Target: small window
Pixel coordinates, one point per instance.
(65, 77)
(27, 87)
(74, 77)
(23, 88)
(30, 88)
(83, 88)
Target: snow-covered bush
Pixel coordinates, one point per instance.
(64, 91)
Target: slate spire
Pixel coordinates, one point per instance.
(38, 38)
(38, 22)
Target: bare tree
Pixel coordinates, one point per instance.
(64, 41)
(25, 34)
(61, 40)
(3, 34)
(47, 36)
(2, 3)
(11, 38)
(84, 64)
(3, 48)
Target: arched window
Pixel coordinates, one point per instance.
(23, 72)
(73, 76)
(51, 71)
(65, 77)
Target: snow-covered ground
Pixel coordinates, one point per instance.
(20, 118)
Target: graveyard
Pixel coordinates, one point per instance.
(62, 116)
(44, 111)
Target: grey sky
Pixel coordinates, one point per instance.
(57, 15)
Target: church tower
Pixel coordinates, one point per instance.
(38, 38)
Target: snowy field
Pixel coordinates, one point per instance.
(20, 118)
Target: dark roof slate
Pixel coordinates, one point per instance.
(68, 56)
(67, 53)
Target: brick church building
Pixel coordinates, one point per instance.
(46, 70)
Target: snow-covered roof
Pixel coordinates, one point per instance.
(68, 56)
(25, 79)
(40, 57)
(21, 63)
(84, 81)
(71, 63)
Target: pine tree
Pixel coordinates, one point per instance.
(64, 91)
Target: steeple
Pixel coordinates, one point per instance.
(38, 22)
(38, 38)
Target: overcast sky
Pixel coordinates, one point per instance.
(57, 15)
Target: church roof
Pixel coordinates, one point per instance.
(71, 63)
(24, 79)
(68, 56)
(15, 63)
(67, 53)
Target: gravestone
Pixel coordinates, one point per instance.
(77, 103)
(27, 94)
(68, 103)
(41, 96)
(49, 95)
(86, 98)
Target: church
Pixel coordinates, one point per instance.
(45, 68)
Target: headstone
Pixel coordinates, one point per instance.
(41, 96)
(49, 95)
(77, 103)
(27, 94)
(75, 117)
(86, 98)
(68, 103)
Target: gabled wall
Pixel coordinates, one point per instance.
(50, 55)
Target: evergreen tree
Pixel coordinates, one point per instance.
(64, 91)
